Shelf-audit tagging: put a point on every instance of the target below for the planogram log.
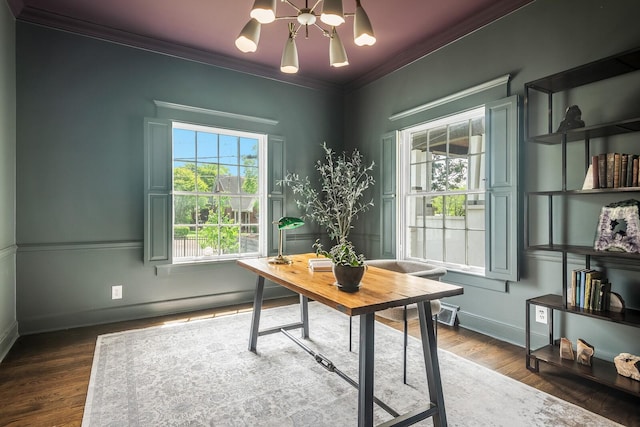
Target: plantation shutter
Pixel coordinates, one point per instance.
(388, 196)
(276, 172)
(502, 224)
(157, 191)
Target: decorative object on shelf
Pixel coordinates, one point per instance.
(343, 182)
(584, 352)
(264, 12)
(628, 365)
(566, 349)
(284, 223)
(616, 303)
(619, 227)
(572, 119)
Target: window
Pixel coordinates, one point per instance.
(443, 191)
(218, 189)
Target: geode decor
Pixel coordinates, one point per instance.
(619, 227)
(628, 365)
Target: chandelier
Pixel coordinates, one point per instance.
(264, 12)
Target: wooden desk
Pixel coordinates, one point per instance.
(380, 289)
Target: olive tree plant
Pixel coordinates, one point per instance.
(344, 180)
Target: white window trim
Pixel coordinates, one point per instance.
(262, 193)
(404, 185)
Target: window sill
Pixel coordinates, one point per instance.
(468, 278)
(191, 266)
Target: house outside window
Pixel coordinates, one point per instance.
(218, 194)
(442, 177)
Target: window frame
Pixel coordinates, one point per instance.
(405, 192)
(261, 194)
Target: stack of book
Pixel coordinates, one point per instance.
(589, 290)
(614, 170)
(320, 264)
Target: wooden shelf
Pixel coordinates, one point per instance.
(589, 132)
(583, 250)
(628, 317)
(599, 191)
(601, 371)
(605, 68)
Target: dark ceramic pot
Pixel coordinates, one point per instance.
(347, 277)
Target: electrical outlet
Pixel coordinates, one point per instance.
(116, 292)
(541, 314)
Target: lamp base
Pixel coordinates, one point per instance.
(280, 260)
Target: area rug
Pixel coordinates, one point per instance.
(200, 373)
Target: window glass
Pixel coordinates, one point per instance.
(443, 201)
(216, 193)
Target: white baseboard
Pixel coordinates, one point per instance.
(7, 339)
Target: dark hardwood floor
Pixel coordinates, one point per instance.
(44, 378)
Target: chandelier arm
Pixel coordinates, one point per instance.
(324, 32)
(315, 5)
(292, 5)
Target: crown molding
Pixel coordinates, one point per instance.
(491, 14)
(38, 16)
(16, 7)
(44, 18)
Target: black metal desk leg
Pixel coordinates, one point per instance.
(430, 351)
(255, 317)
(304, 315)
(366, 370)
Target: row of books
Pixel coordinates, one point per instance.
(589, 290)
(615, 170)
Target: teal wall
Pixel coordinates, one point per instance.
(8, 325)
(80, 107)
(81, 104)
(542, 38)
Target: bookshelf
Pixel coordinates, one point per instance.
(601, 371)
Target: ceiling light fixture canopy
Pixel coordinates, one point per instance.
(332, 14)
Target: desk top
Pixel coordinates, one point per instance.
(379, 288)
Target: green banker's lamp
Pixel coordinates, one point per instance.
(284, 223)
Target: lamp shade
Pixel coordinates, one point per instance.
(337, 54)
(289, 222)
(289, 63)
(264, 11)
(249, 37)
(332, 13)
(362, 29)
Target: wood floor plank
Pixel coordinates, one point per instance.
(44, 378)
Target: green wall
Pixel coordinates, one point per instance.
(80, 107)
(80, 173)
(8, 325)
(542, 38)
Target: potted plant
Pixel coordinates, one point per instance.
(343, 181)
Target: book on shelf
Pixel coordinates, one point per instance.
(610, 164)
(629, 180)
(590, 276)
(636, 161)
(617, 160)
(602, 170)
(595, 172)
(624, 161)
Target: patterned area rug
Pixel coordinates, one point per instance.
(200, 373)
